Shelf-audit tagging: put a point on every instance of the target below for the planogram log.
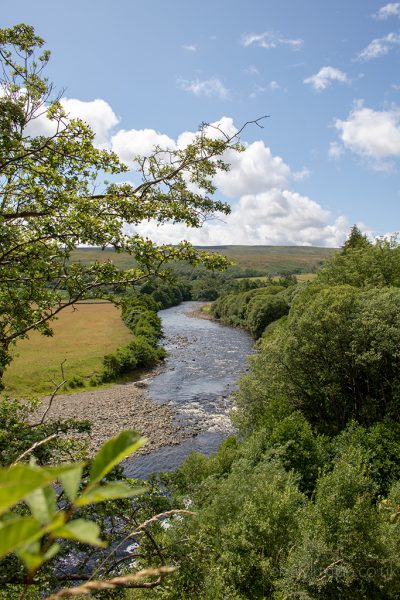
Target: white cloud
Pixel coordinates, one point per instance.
(265, 210)
(335, 150)
(389, 10)
(270, 39)
(190, 47)
(253, 171)
(272, 217)
(208, 87)
(379, 47)
(128, 144)
(272, 86)
(370, 133)
(97, 113)
(324, 78)
(305, 173)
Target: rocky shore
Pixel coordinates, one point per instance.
(121, 406)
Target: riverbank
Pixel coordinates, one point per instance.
(119, 407)
(180, 406)
(201, 312)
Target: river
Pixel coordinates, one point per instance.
(205, 360)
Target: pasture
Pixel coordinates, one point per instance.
(81, 338)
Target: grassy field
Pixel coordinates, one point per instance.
(270, 259)
(81, 338)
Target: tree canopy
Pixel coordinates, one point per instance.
(52, 198)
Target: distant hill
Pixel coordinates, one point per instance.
(268, 259)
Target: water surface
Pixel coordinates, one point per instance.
(204, 362)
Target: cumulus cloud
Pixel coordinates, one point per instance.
(271, 39)
(97, 113)
(265, 209)
(389, 10)
(272, 217)
(379, 47)
(132, 142)
(305, 173)
(253, 171)
(370, 133)
(324, 78)
(207, 87)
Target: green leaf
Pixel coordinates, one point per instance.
(70, 481)
(113, 452)
(111, 491)
(42, 503)
(14, 533)
(19, 481)
(60, 470)
(81, 530)
(33, 558)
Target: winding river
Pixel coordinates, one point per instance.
(204, 362)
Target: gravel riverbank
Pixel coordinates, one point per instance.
(121, 406)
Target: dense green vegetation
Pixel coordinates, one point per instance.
(253, 309)
(305, 504)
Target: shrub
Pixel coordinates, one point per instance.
(264, 310)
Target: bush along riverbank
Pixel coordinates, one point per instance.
(140, 316)
(254, 309)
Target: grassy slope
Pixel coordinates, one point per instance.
(82, 337)
(271, 259)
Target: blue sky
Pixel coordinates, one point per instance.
(327, 73)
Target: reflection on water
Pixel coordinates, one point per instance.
(204, 362)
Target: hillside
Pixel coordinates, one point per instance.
(268, 259)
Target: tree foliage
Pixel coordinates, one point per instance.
(335, 358)
(52, 199)
(362, 264)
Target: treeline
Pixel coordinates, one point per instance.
(305, 503)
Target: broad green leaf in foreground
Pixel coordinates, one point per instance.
(81, 530)
(14, 533)
(111, 491)
(19, 481)
(113, 452)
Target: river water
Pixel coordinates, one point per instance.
(205, 360)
